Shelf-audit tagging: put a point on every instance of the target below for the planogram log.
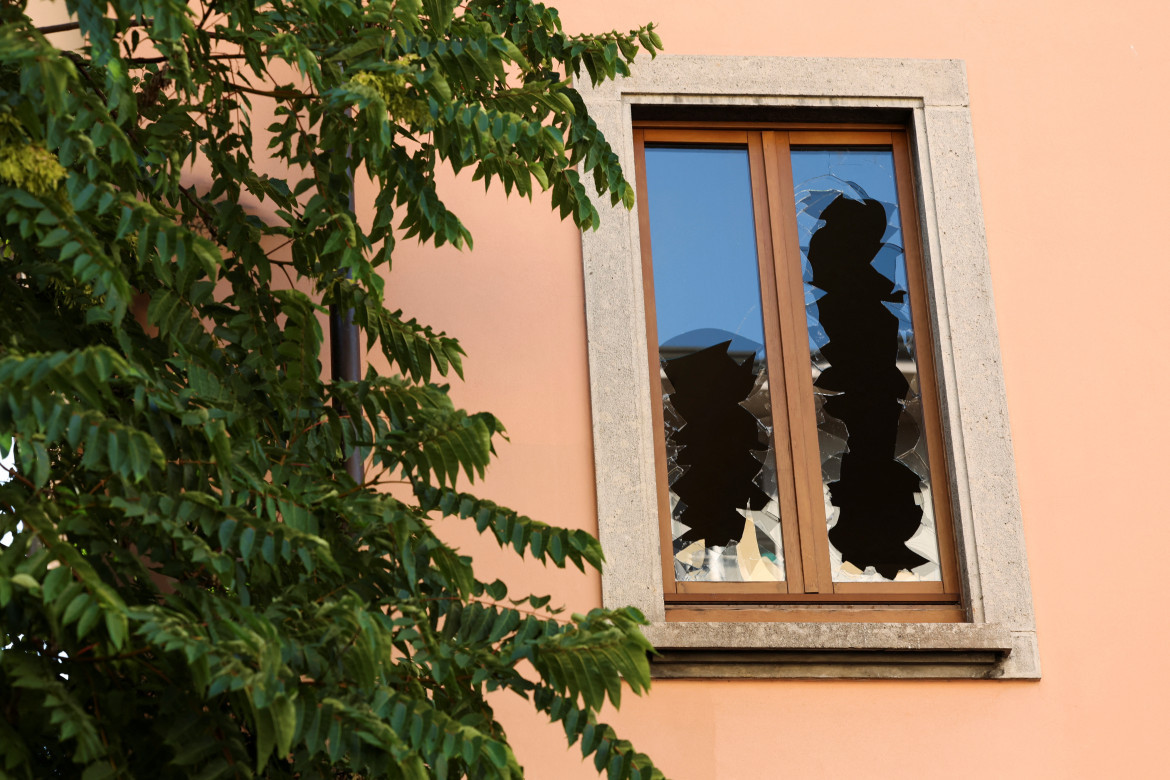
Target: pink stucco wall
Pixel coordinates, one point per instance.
(1069, 107)
(1070, 110)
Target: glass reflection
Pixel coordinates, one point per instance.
(869, 408)
(718, 418)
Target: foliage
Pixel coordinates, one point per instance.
(190, 583)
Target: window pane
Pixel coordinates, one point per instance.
(720, 461)
(865, 380)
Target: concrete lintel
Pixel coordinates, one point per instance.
(937, 82)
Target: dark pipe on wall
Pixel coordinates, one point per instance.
(345, 361)
(346, 364)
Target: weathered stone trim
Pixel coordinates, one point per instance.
(999, 641)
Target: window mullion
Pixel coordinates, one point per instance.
(793, 328)
(795, 568)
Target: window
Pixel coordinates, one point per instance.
(784, 475)
(758, 128)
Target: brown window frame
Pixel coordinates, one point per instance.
(808, 592)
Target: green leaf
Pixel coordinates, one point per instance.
(226, 530)
(265, 735)
(284, 721)
(76, 607)
(247, 539)
(88, 620)
(25, 581)
(55, 582)
(99, 770)
(116, 626)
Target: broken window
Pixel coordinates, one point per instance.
(874, 459)
(720, 465)
(799, 435)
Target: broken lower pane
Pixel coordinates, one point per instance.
(718, 419)
(876, 480)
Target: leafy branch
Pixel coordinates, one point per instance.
(190, 582)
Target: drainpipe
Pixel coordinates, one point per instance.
(345, 360)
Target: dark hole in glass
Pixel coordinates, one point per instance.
(875, 492)
(716, 441)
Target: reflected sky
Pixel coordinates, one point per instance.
(870, 169)
(819, 175)
(702, 235)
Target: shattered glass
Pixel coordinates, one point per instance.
(746, 549)
(725, 515)
(909, 552)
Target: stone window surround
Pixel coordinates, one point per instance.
(999, 641)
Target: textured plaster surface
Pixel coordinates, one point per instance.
(966, 342)
(1074, 213)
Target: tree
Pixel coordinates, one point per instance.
(191, 583)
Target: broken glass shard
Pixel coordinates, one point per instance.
(876, 481)
(717, 412)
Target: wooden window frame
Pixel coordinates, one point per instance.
(928, 100)
(808, 579)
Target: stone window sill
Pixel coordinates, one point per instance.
(841, 650)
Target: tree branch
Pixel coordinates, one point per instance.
(277, 93)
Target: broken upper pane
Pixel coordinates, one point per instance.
(725, 516)
(876, 480)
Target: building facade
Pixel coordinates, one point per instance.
(1033, 132)
(1035, 180)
